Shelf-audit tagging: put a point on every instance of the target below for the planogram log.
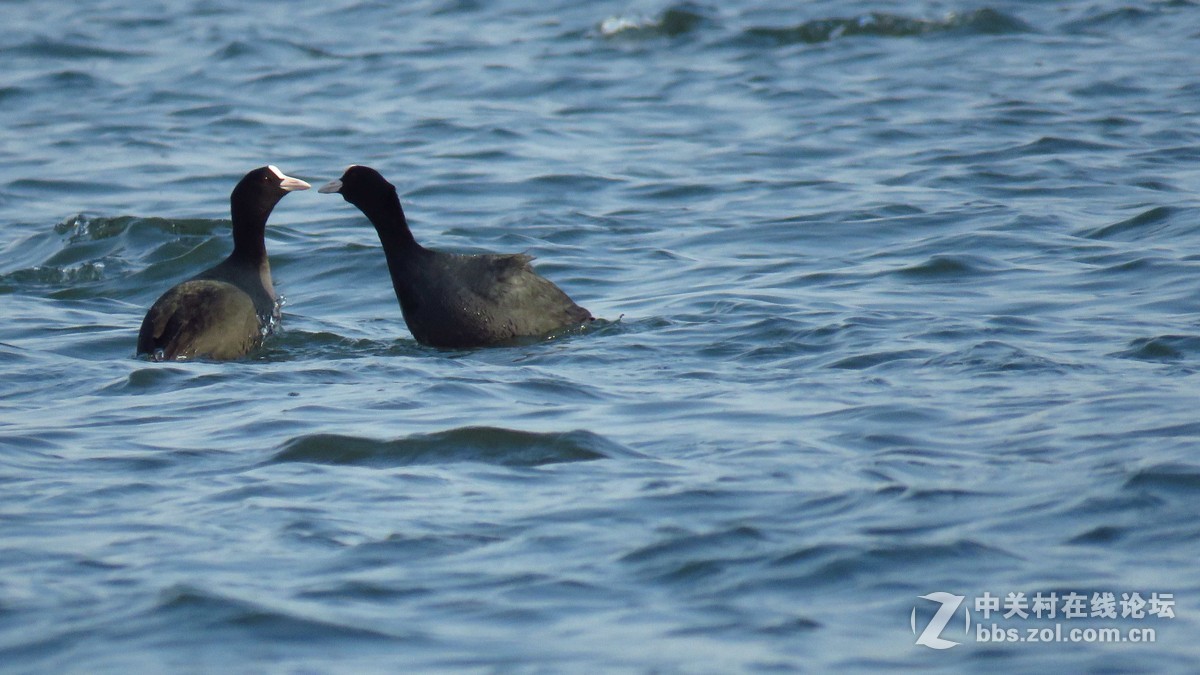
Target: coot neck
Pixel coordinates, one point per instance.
(388, 218)
(249, 230)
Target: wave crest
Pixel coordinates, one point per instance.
(878, 24)
(490, 445)
(670, 23)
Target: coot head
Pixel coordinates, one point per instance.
(361, 185)
(262, 188)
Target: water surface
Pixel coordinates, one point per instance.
(899, 298)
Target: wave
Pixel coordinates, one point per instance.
(85, 256)
(993, 356)
(1171, 477)
(671, 22)
(683, 19)
(44, 47)
(489, 445)
(1148, 223)
(1107, 18)
(940, 267)
(878, 24)
(1162, 348)
(205, 609)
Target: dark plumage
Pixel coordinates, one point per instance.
(454, 300)
(221, 312)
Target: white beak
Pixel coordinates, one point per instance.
(291, 184)
(330, 187)
(287, 182)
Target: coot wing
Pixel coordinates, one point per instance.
(200, 318)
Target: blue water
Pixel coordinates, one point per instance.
(899, 298)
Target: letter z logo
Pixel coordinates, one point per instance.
(932, 635)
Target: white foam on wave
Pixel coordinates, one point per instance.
(615, 25)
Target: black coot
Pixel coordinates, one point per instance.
(221, 312)
(454, 300)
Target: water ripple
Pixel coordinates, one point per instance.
(1162, 348)
(1149, 223)
(672, 22)
(898, 300)
(490, 445)
(209, 610)
(63, 49)
(878, 24)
